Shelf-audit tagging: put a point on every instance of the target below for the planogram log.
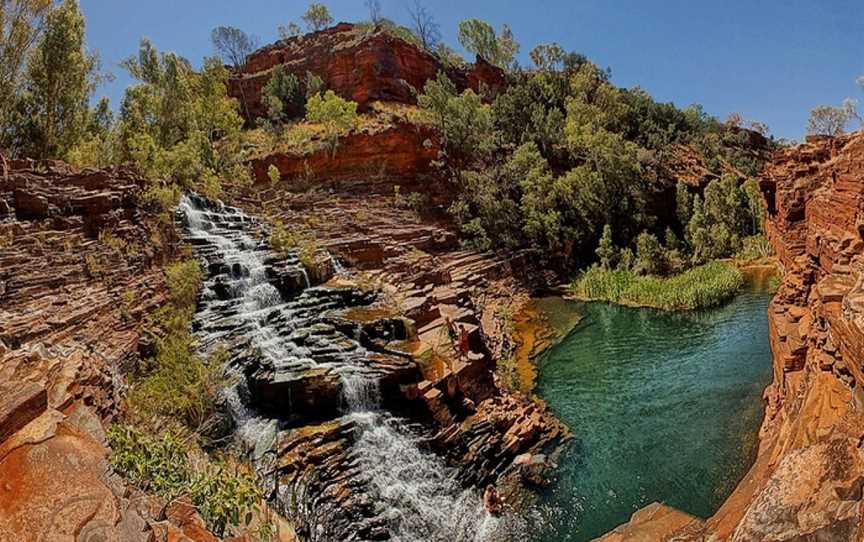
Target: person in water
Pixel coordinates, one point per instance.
(492, 501)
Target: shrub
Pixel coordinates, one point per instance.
(223, 494)
(273, 174)
(754, 248)
(336, 114)
(184, 279)
(179, 383)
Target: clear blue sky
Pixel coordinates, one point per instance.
(772, 61)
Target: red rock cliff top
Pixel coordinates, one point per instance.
(358, 64)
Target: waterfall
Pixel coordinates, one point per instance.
(410, 486)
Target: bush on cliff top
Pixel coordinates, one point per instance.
(700, 287)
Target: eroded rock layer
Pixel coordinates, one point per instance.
(79, 272)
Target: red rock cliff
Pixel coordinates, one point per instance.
(809, 476)
(358, 64)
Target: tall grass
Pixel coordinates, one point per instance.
(703, 286)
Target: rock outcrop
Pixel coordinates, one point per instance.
(399, 150)
(359, 63)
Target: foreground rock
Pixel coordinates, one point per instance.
(79, 273)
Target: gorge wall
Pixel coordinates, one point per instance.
(806, 483)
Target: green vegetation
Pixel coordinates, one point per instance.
(700, 287)
(223, 493)
(178, 384)
(334, 113)
(300, 239)
(317, 17)
(479, 37)
(47, 77)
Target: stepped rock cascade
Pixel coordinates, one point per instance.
(311, 393)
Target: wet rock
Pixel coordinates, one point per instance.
(286, 392)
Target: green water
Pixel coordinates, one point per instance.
(664, 407)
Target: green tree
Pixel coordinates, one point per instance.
(317, 17)
(21, 23)
(171, 121)
(335, 113)
(548, 56)
(683, 204)
(463, 120)
(289, 31)
(612, 188)
(61, 77)
(649, 255)
(755, 206)
(606, 250)
(479, 38)
(284, 96)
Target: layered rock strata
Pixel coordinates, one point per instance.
(325, 368)
(358, 63)
(79, 273)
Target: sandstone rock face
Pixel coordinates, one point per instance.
(400, 151)
(813, 423)
(359, 64)
(78, 275)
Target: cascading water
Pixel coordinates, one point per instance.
(413, 490)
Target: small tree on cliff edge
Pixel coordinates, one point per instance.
(830, 120)
(317, 17)
(479, 38)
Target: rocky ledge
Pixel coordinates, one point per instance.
(79, 273)
(336, 391)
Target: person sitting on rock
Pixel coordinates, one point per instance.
(463, 341)
(492, 501)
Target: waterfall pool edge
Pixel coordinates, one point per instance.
(663, 407)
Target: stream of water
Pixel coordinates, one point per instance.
(664, 407)
(411, 486)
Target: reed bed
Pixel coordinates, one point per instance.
(697, 288)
